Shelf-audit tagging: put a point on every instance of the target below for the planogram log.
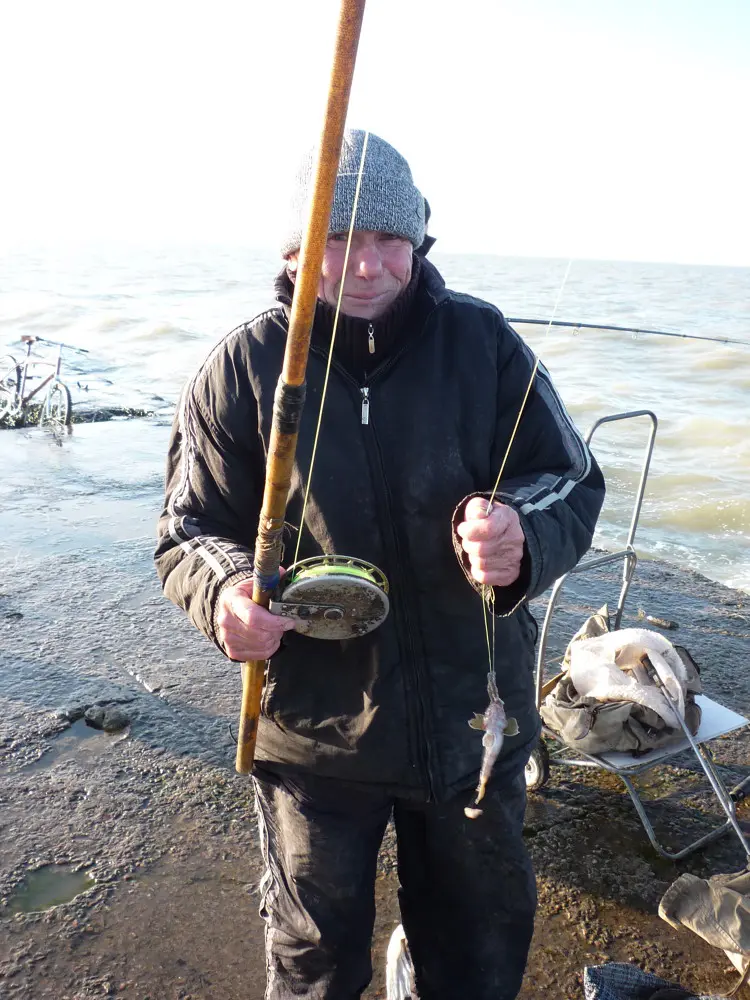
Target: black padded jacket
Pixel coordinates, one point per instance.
(390, 708)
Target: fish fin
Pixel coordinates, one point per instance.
(477, 722)
(472, 813)
(511, 727)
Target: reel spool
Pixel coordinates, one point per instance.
(333, 597)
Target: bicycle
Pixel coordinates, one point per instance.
(55, 407)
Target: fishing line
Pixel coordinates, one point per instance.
(489, 721)
(333, 338)
(488, 592)
(489, 599)
(632, 329)
(528, 387)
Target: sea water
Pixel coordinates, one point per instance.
(148, 316)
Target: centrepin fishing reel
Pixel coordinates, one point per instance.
(332, 597)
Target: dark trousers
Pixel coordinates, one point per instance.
(467, 892)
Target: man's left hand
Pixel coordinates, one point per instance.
(493, 541)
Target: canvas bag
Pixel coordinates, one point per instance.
(606, 699)
(718, 910)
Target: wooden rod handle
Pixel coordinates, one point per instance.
(283, 440)
(252, 692)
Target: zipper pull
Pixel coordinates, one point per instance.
(365, 405)
(371, 338)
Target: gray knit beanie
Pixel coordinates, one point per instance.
(388, 200)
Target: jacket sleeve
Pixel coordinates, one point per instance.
(550, 477)
(214, 488)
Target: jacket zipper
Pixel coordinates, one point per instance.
(371, 338)
(424, 750)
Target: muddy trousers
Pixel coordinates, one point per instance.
(467, 893)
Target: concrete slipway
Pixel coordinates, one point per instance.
(153, 829)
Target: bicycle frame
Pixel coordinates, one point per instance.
(51, 395)
(27, 362)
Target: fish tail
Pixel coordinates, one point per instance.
(481, 788)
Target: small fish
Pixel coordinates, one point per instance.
(496, 727)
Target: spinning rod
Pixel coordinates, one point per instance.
(630, 329)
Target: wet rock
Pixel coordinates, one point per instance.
(115, 720)
(94, 717)
(661, 622)
(70, 713)
(109, 718)
(96, 414)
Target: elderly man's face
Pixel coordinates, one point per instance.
(378, 270)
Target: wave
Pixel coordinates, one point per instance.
(161, 332)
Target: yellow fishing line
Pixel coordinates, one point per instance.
(333, 338)
(488, 601)
(485, 599)
(488, 593)
(528, 387)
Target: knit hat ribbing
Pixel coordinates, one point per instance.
(388, 202)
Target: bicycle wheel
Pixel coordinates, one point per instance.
(55, 412)
(10, 381)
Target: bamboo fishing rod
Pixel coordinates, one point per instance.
(290, 391)
(631, 329)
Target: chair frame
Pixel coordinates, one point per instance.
(727, 799)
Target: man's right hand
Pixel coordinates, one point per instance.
(245, 629)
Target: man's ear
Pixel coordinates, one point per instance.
(291, 263)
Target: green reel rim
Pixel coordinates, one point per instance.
(333, 597)
(316, 566)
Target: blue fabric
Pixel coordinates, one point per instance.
(618, 981)
(266, 583)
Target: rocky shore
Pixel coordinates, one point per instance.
(141, 819)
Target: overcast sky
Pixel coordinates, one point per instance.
(610, 129)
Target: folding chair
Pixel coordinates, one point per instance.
(716, 720)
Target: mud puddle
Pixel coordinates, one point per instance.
(187, 928)
(79, 741)
(46, 888)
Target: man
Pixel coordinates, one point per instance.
(424, 394)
